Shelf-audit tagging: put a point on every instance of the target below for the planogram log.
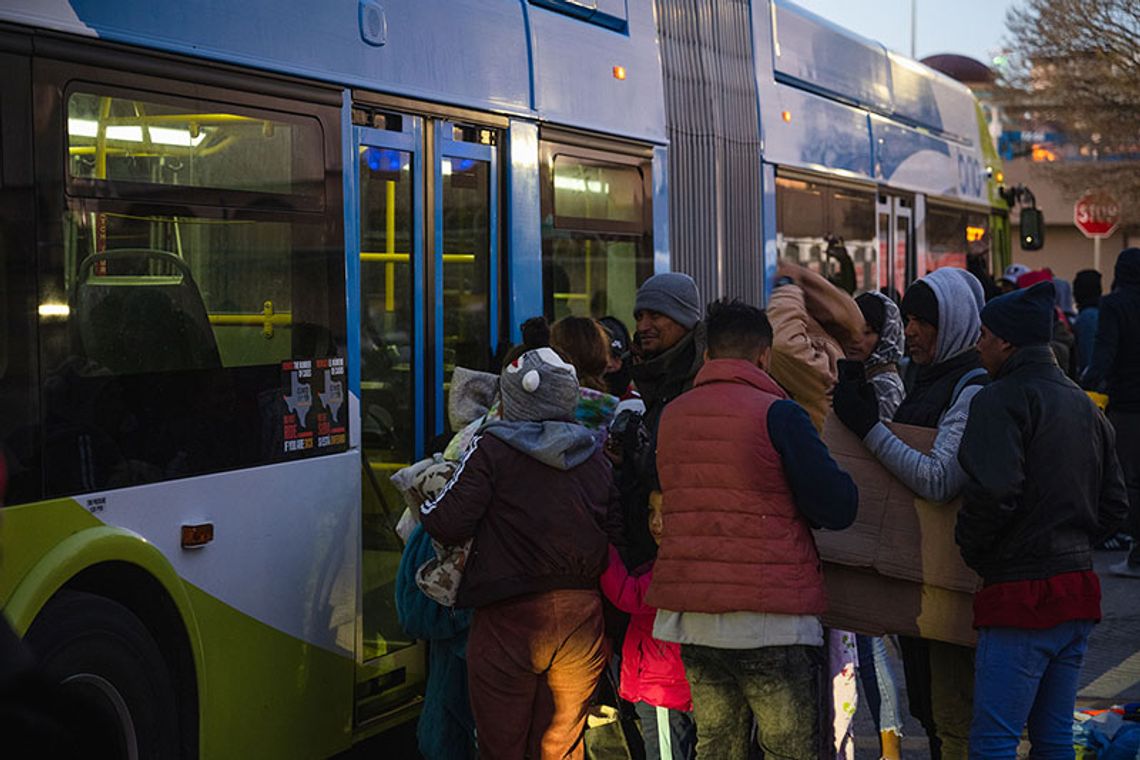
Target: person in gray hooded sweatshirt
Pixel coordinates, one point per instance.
(942, 328)
(536, 493)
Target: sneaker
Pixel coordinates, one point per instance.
(1125, 569)
(1115, 543)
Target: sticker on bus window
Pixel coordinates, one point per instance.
(315, 410)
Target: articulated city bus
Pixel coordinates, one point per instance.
(872, 168)
(243, 247)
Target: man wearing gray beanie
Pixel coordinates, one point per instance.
(671, 339)
(672, 295)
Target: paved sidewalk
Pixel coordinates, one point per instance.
(1111, 673)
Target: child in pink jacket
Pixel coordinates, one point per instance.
(652, 675)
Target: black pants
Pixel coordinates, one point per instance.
(1127, 426)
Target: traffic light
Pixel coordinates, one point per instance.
(1032, 229)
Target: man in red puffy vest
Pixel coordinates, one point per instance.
(738, 582)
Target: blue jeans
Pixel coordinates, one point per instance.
(682, 732)
(878, 681)
(1027, 676)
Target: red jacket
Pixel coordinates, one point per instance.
(651, 670)
(733, 539)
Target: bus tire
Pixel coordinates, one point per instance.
(108, 665)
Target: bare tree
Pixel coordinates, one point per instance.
(1074, 68)
(1078, 63)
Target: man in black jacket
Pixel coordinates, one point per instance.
(671, 338)
(1115, 369)
(1043, 487)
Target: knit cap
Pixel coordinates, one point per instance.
(1013, 272)
(1023, 317)
(672, 294)
(920, 301)
(539, 386)
(874, 312)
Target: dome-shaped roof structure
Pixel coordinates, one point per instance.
(961, 67)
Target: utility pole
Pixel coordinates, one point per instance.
(913, 26)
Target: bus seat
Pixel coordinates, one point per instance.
(140, 311)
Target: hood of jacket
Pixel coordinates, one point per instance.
(960, 300)
(472, 394)
(889, 349)
(563, 445)
(1127, 271)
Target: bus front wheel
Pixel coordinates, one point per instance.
(106, 661)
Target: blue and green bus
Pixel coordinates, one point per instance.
(243, 246)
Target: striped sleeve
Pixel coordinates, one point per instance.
(452, 517)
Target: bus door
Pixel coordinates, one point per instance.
(895, 234)
(428, 241)
(389, 171)
(464, 264)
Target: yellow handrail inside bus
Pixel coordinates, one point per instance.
(390, 237)
(387, 466)
(267, 319)
(403, 258)
(101, 138)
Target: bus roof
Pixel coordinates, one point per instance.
(526, 59)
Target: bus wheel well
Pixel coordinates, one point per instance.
(137, 590)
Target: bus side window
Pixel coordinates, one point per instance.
(202, 333)
(596, 234)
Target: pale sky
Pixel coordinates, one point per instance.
(968, 27)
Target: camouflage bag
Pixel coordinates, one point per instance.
(439, 578)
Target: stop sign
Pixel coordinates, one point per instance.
(1096, 214)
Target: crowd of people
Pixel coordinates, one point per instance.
(635, 515)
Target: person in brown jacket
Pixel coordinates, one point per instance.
(813, 322)
(536, 493)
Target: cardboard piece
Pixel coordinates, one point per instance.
(897, 569)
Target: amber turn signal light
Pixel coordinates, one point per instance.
(197, 536)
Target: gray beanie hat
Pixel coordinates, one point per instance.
(539, 386)
(672, 294)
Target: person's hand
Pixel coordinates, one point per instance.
(856, 406)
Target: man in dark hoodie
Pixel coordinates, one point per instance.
(1087, 292)
(1043, 487)
(1115, 370)
(942, 325)
(536, 493)
(672, 344)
